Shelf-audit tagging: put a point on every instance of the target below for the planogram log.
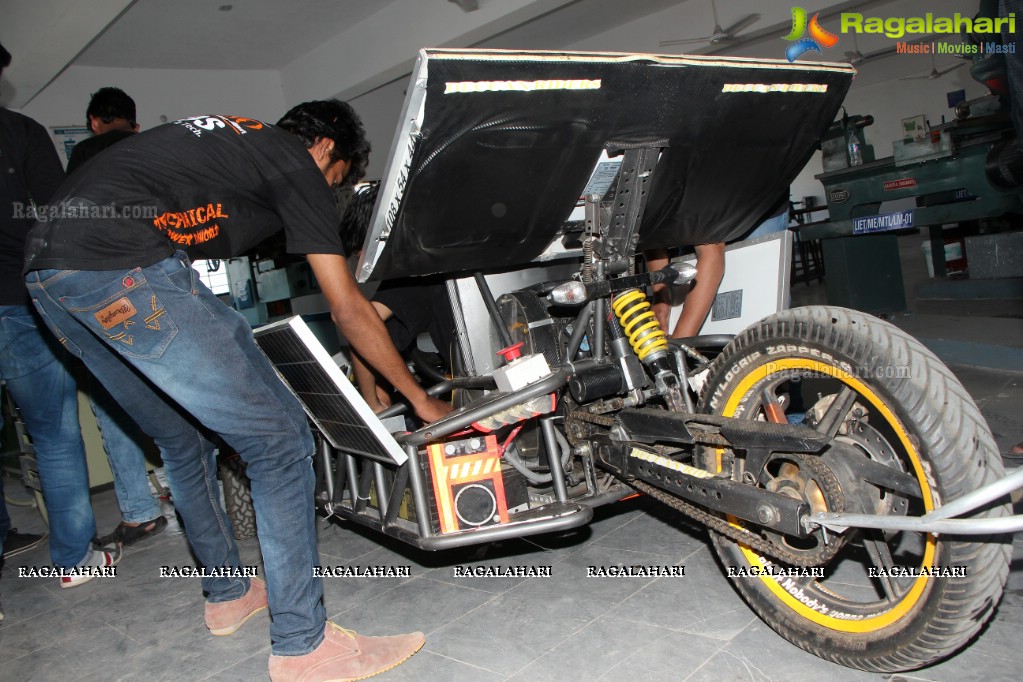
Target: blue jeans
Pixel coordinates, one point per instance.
(121, 438)
(770, 226)
(34, 367)
(181, 362)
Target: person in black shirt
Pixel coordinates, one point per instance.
(32, 363)
(408, 307)
(111, 118)
(110, 272)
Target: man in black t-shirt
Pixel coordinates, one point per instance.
(110, 272)
(111, 118)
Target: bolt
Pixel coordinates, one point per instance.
(766, 514)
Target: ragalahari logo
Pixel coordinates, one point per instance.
(819, 37)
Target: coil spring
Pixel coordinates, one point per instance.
(639, 323)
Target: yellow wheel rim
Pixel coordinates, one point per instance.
(842, 622)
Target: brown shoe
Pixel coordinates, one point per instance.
(344, 655)
(224, 618)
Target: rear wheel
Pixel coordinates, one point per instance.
(906, 437)
(238, 497)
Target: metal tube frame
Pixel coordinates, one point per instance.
(939, 520)
(558, 516)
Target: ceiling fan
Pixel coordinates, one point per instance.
(857, 58)
(934, 74)
(718, 35)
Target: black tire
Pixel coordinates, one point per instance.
(925, 425)
(238, 497)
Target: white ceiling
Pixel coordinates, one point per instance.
(197, 34)
(350, 47)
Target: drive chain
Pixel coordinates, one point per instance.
(721, 526)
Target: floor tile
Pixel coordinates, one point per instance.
(426, 665)
(599, 648)
(702, 602)
(758, 654)
(417, 604)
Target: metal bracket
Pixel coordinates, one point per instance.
(650, 426)
(621, 234)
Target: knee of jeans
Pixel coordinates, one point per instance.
(63, 438)
(272, 463)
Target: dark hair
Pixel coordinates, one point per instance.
(108, 104)
(355, 220)
(334, 120)
(5, 57)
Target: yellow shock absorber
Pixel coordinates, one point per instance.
(640, 324)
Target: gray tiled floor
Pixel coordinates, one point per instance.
(566, 627)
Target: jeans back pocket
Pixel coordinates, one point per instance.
(125, 311)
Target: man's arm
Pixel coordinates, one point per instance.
(365, 331)
(710, 269)
(366, 379)
(657, 259)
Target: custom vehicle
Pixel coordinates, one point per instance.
(535, 181)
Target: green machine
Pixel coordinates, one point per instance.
(968, 169)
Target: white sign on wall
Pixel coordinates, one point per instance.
(66, 137)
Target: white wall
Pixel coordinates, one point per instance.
(161, 92)
(379, 111)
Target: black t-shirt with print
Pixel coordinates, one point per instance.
(213, 186)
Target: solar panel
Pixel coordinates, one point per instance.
(330, 400)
